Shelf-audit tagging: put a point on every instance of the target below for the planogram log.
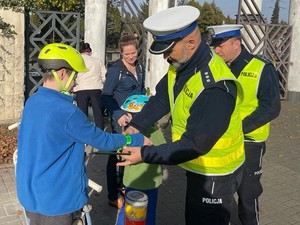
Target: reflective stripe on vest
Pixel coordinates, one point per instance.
(249, 79)
(227, 154)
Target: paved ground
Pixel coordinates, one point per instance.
(280, 202)
(10, 210)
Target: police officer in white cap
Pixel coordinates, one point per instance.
(261, 105)
(201, 94)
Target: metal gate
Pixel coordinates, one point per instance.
(272, 41)
(43, 27)
(132, 18)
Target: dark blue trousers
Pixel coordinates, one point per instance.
(251, 187)
(209, 198)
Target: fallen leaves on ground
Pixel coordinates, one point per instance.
(8, 144)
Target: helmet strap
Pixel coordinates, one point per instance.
(63, 89)
(69, 81)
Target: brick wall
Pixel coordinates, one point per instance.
(12, 69)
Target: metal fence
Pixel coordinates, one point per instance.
(272, 41)
(43, 27)
(132, 18)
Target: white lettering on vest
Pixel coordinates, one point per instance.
(258, 172)
(212, 200)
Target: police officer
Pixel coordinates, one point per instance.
(201, 94)
(261, 105)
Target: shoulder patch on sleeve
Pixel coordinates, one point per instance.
(207, 77)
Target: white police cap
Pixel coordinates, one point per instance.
(222, 33)
(170, 25)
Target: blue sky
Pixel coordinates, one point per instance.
(230, 7)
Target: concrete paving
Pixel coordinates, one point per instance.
(279, 203)
(10, 210)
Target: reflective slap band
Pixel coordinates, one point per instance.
(128, 140)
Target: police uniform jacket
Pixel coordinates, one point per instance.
(209, 115)
(268, 92)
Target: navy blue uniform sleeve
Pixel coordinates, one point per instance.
(269, 104)
(209, 119)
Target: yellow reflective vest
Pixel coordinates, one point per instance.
(249, 79)
(227, 155)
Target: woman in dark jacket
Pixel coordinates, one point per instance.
(124, 78)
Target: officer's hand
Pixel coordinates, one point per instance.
(134, 157)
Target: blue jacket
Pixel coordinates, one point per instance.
(51, 176)
(120, 84)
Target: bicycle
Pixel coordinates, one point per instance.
(82, 217)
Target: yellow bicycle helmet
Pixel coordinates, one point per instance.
(57, 55)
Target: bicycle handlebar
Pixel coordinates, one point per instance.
(94, 186)
(13, 126)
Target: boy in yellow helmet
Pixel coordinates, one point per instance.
(51, 177)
